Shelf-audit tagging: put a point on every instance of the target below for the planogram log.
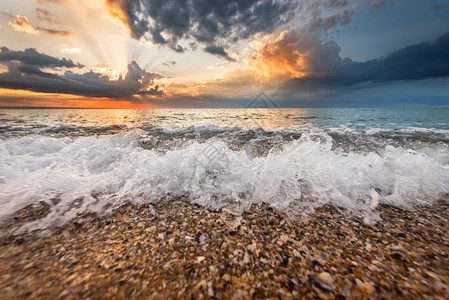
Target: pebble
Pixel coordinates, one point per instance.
(326, 277)
(284, 238)
(184, 251)
(210, 290)
(202, 285)
(226, 277)
(368, 247)
(365, 286)
(320, 283)
(296, 253)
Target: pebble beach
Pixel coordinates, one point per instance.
(178, 250)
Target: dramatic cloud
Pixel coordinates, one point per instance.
(294, 54)
(218, 51)
(25, 72)
(322, 66)
(22, 24)
(166, 22)
(30, 57)
(294, 65)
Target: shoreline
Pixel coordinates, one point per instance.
(180, 250)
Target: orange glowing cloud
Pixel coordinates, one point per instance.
(116, 10)
(3, 69)
(22, 24)
(294, 55)
(274, 61)
(279, 57)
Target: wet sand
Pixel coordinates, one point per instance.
(183, 251)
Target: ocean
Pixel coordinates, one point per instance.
(295, 160)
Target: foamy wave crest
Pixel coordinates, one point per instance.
(77, 175)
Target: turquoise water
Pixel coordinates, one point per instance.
(26, 120)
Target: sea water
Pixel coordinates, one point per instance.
(294, 160)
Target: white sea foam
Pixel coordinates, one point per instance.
(98, 174)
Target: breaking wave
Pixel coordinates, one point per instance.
(292, 170)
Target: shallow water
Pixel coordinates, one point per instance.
(292, 159)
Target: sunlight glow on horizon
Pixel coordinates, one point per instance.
(67, 101)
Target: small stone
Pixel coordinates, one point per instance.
(19, 240)
(65, 293)
(290, 285)
(202, 285)
(320, 283)
(284, 239)
(226, 277)
(210, 290)
(118, 268)
(365, 286)
(199, 259)
(326, 277)
(314, 263)
(161, 236)
(398, 255)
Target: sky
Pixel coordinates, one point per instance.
(224, 53)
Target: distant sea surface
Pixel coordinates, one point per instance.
(295, 160)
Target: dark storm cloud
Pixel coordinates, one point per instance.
(166, 22)
(218, 51)
(152, 91)
(416, 62)
(25, 73)
(30, 57)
